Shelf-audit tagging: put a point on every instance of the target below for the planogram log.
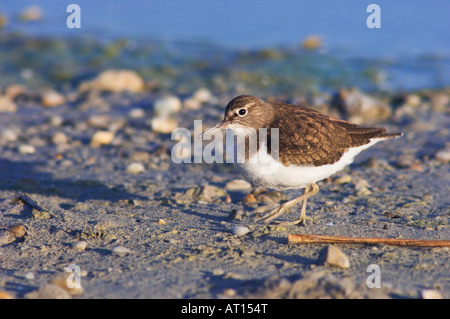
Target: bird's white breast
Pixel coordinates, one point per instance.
(263, 170)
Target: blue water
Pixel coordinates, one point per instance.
(407, 27)
(415, 34)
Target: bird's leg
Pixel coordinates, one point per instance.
(280, 210)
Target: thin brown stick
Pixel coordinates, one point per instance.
(307, 239)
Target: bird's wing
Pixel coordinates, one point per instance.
(308, 137)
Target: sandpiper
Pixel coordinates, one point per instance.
(311, 146)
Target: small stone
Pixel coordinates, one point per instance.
(31, 13)
(18, 230)
(312, 42)
(239, 230)
(29, 275)
(115, 81)
(52, 99)
(249, 199)
(443, 155)
(60, 138)
(6, 237)
(102, 138)
(363, 191)
(7, 105)
(430, 294)
(14, 90)
(8, 135)
(121, 251)
(202, 95)
(237, 185)
(164, 125)
(80, 245)
(135, 168)
(26, 149)
(167, 106)
(333, 256)
(362, 183)
(136, 113)
(161, 221)
(192, 104)
(343, 179)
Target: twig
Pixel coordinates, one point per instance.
(306, 239)
(27, 200)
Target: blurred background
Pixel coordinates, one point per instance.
(309, 45)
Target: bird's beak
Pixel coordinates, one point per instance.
(212, 130)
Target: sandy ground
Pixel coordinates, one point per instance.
(178, 237)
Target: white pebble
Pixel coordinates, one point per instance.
(430, 294)
(443, 155)
(102, 138)
(167, 105)
(29, 275)
(80, 245)
(26, 149)
(121, 251)
(136, 113)
(238, 184)
(52, 98)
(135, 168)
(239, 230)
(202, 95)
(60, 138)
(164, 125)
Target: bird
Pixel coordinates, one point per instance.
(296, 146)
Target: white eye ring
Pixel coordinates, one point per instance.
(241, 112)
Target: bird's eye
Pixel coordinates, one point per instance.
(242, 112)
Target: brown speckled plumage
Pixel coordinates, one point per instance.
(306, 136)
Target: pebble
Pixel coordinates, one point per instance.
(202, 95)
(164, 125)
(192, 104)
(52, 99)
(161, 221)
(6, 237)
(443, 155)
(27, 149)
(312, 42)
(239, 230)
(8, 135)
(29, 276)
(249, 199)
(136, 113)
(115, 81)
(166, 106)
(80, 245)
(102, 138)
(60, 138)
(7, 105)
(31, 13)
(135, 168)
(343, 179)
(121, 251)
(333, 256)
(430, 294)
(18, 230)
(237, 185)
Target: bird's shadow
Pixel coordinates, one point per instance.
(26, 177)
